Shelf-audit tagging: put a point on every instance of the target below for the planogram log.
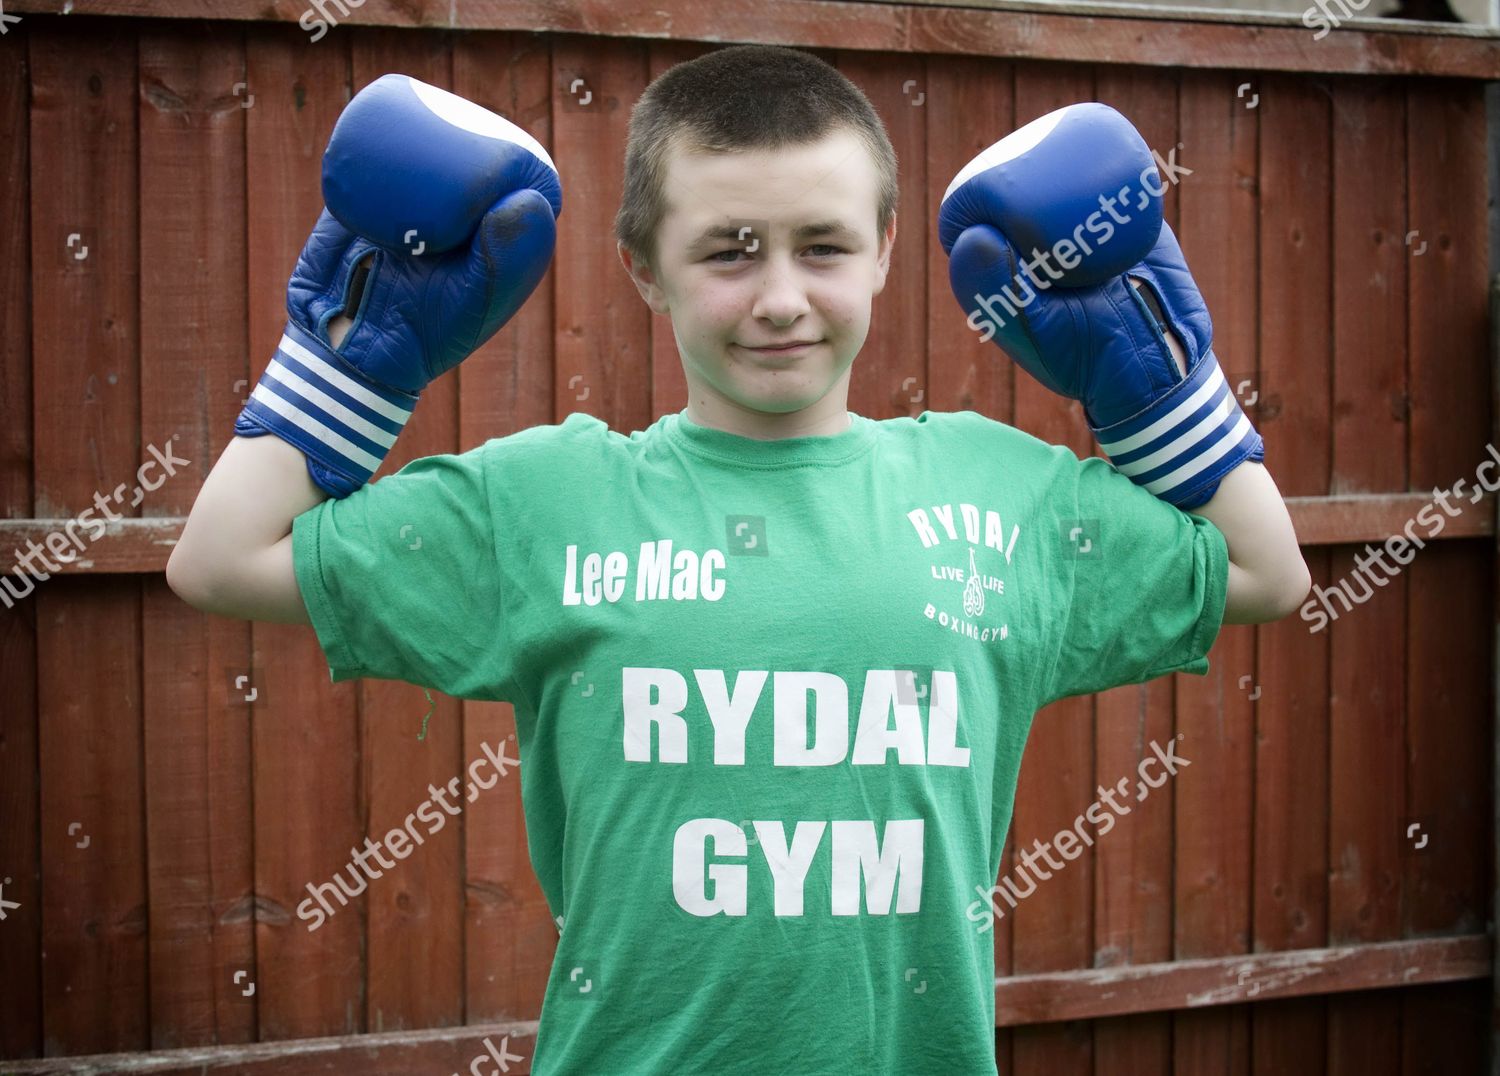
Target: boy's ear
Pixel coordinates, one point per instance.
(883, 258)
(645, 280)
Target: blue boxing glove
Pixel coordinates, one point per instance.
(1072, 313)
(440, 222)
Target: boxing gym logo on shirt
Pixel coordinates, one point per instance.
(973, 586)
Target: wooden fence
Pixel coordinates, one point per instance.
(170, 781)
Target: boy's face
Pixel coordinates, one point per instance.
(804, 275)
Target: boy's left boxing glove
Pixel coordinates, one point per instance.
(1103, 343)
(455, 210)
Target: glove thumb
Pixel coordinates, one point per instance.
(509, 254)
(1003, 299)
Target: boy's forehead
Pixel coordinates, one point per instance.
(799, 185)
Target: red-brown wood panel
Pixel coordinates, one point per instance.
(603, 329)
(85, 365)
(20, 847)
(304, 733)
(1366, 785)
(509, 936)
(1164, 38)
(197, 744)
(1052, 928)
(970, 107)
(668, 382)
(1446, 884)
(890, 377)
(1217, 210)
(1290, 895)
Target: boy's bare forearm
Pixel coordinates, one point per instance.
(1267, 576)
(234, 555)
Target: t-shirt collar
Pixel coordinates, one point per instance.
(720, 444)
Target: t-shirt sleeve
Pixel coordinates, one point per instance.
(402, 579)
(1149, 582)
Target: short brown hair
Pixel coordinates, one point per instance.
(740, 98)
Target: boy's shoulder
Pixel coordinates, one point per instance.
(989, 434)
(578, 430)
(586, 437)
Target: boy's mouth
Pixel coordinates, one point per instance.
(791, 347)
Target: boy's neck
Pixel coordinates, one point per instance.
(826, 417)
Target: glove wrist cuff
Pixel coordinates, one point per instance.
(1182, 444)
(310, 397)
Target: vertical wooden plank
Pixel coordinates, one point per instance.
(890, 375)
(304, 733)
(16, 455)
(668, 382)
(1492, 1000)
(963, 374)
(414, 930)
(508, 934)
(1133, 863)
(197, 745)
(20, 849)
(83, 165)
(1445, 1029)
(1291, 759)
(1217, 207)
(603, 329)
(1450, 626)
(1052, 930)
(1366, 667)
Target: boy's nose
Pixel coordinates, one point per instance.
(781, 298)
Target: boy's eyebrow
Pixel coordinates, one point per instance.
(811, 230)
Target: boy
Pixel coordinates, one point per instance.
(772, 663)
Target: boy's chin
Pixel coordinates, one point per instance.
(781, 397)
(772, 392)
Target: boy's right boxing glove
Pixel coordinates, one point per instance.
(412, 170)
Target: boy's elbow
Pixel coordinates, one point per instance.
(1257, 599)
(1290, 595)
(187, 580)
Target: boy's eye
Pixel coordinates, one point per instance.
(728, 257)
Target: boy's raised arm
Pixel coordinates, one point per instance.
(235, 554)
(234, 557)
(1072, 271)
(1267, 576)
(440, 222)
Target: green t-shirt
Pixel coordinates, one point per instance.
(770, 701)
